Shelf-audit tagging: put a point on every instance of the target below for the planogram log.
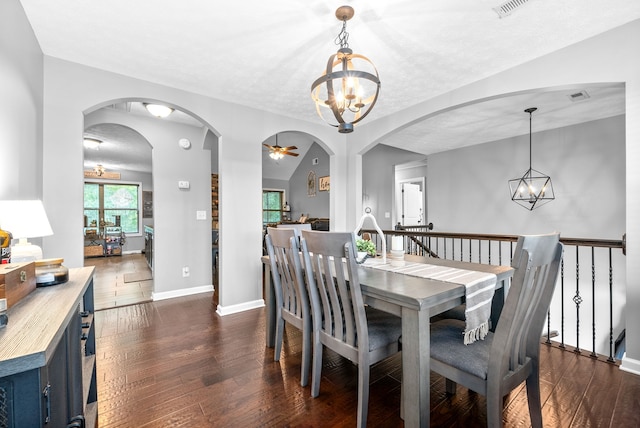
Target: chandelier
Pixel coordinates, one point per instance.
(534, 188)
(348, 88)
(99, 170)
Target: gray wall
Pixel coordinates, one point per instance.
(21, 90)
(314, 206)
(467, 189)
(378, 181)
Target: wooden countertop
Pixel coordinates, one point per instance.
(37, 323)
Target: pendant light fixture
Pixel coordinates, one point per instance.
(534, 188)
(349, 86)
(99, 170)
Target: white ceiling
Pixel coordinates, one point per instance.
(266, 54)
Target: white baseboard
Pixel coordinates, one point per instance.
(180, 293)
(132, 252)
(630, 365)
(240, 307)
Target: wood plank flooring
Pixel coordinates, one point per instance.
(175, 363)
(109, 284)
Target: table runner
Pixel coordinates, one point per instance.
(479, 289)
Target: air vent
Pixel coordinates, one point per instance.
(507, 8)
(578, 96)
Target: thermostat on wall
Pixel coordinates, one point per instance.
(184, 143)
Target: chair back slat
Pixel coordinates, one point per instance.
(289, 287)
(519, 328)
(334, 288)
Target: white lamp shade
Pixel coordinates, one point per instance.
(24, 219)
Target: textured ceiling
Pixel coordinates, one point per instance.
(266, 54)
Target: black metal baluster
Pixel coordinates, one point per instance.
(577, 300)
(611, 350)
(562, 302)
(593, 303)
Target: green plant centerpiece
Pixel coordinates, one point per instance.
(366, 247)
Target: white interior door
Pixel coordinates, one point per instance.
(412, 213)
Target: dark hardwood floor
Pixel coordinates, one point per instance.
(176, 363)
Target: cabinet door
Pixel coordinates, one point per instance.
(74, 365)
(55, 377)
(21, 400)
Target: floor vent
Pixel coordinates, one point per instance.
(578, 96)
(507, 8)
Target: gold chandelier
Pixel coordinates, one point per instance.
(349, 87)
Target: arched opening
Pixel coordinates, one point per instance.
(164, 158)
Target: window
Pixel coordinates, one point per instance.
(106, 201)
(272, 201)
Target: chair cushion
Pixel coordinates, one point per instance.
(447, 345)
(384, 328)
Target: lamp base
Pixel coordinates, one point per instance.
(25, 252)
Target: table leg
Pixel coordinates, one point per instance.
(498, 302)
(415, 367)
(270, 301)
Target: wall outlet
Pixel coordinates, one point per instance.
(185, 271)
(201, 215)
(183, 184)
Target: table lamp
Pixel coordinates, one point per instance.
(25, 219)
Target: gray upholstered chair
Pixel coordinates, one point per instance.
(341, 321)
(504, 359)
(292, 300)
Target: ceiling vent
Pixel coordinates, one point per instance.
(507, 8)
(578, 96)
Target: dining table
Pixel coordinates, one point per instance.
(414, 299)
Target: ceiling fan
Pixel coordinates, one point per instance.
(277, 152)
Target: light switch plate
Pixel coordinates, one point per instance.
(201, 215)
(183, 184)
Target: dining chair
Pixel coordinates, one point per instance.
(297, 226)
(341, 320)
(292, 301)
(504, 359)
(458, 312)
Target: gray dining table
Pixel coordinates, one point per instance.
(415, 300)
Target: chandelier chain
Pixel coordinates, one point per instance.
(342, 39)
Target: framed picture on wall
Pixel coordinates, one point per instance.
(311, 184)
(324, 183)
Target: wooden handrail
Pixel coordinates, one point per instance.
(590, 242)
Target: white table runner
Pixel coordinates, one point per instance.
(479, 288)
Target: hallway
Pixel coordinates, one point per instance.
(121, 281)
